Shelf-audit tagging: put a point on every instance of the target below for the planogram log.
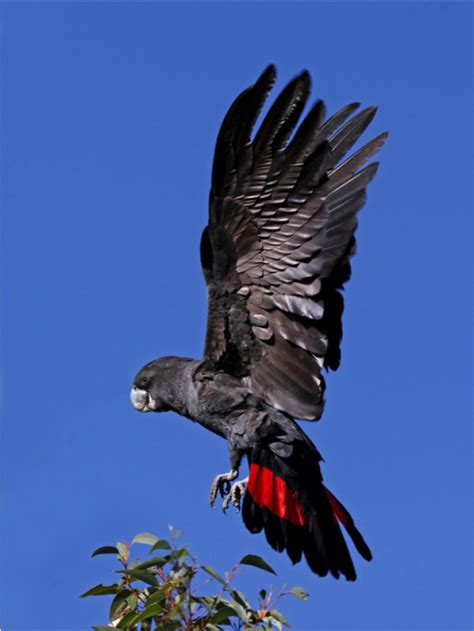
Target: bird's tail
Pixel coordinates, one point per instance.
(287, 499)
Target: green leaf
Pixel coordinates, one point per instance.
(118, 603)
(278, 616)
(210, 570)
(209, 602)
(100, 590)
(239, 610)
(149, 612)
(157, 561)
(256, 561)
(128, 620)
(170, 625)
(105, 550)
(222, 615)
(161, 544)
(141, 575)
(157, 596)
(122, 551)
(240, 598)
(103, 628)
(179, 554)
(234, 605)
(146, 538)
(299, 592)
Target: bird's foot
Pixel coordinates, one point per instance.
(221, 484)
(235, 495)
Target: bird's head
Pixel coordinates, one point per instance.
(158, 386)
(150, 386)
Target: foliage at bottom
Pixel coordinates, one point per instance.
(171, 591)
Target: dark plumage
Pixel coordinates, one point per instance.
(275, 255)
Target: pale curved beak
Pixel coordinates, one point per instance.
(140, 399)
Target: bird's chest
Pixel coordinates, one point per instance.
(219, 405)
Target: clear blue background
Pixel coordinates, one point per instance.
(109, 117)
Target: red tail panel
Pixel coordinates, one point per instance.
(272, 492)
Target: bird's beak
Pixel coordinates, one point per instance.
(140, 399)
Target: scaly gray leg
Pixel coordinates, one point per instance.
(235, 494)
(222, 484)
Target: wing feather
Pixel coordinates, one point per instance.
(276, 252)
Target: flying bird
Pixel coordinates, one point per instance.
(275, 255)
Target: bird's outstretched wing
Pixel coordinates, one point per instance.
(276, 250)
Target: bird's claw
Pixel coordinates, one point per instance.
(221, 484)
(235, 495)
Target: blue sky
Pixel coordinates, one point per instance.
(109, 117)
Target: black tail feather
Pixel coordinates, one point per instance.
(287, 500)
(345, 518)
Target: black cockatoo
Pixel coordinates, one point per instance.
(275, 255)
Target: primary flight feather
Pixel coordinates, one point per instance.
(275, 255)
